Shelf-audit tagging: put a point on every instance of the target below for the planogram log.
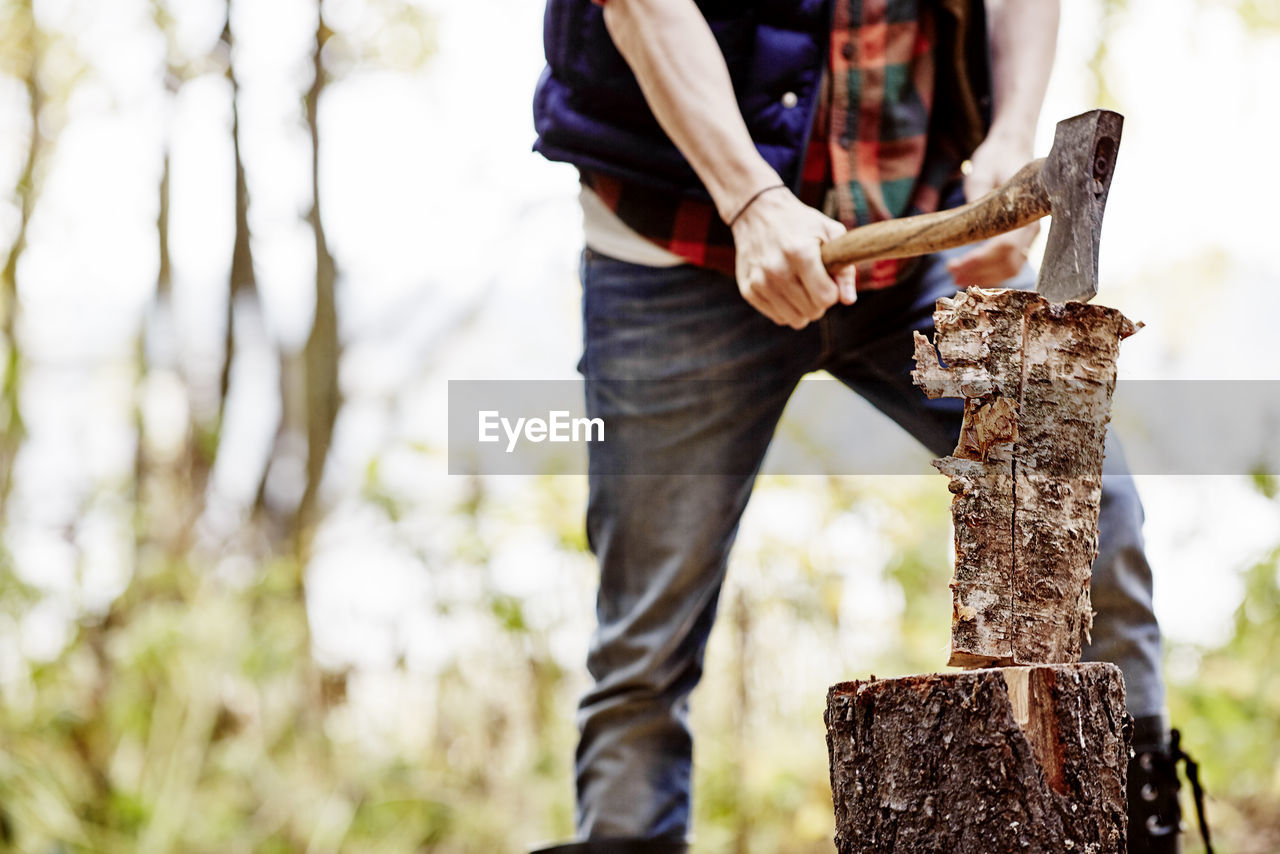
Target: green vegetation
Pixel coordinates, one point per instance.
(190, 717)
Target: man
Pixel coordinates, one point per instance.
(720, 143)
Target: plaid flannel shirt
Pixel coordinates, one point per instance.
(868, 157)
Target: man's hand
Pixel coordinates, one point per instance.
(999, 259)
(779, 267)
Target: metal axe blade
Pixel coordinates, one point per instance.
(1077, 177)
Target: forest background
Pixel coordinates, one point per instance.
(243, 605)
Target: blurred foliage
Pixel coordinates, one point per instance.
(1226, 701)
(385, 34)
(1261, 15)
(190, 715)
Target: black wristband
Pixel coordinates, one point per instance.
(749, 202)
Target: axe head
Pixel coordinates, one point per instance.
(1077, 176)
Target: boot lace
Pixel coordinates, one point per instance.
(1192, 770)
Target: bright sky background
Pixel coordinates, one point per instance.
(438, 212)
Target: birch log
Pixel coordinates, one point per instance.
(1037, 380)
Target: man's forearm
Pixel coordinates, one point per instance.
(1024, 36)
(683, 76)
(776, 237)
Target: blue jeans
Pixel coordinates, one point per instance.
(662, 540)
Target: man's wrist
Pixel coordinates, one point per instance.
(733, 219)
(731, 196)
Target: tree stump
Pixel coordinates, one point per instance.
(1011, 759)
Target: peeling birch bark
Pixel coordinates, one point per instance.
(1037, 380)
(1006, 759)
(982, 619)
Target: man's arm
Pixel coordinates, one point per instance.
(1023, 40)
(682, 73)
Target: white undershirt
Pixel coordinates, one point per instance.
(607, 234)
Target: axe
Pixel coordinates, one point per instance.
(1070, 185)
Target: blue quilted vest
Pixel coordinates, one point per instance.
(589, 111)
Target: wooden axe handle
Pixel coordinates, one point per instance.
(1021, 200)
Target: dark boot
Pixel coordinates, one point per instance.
(1155, 816)
(628, 845)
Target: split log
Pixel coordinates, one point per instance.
(982, 628)
(1037, 380)
(1027, 759)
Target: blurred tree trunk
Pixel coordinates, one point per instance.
(241, 279)
(160, 340)
(309, 393)
(322, 350)
(241, 283)
(169, 495)
(321, 400)
(155, 340)
(309, 403)
(155, 343)
(12, 430)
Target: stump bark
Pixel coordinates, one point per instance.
(1037, 380)
(1015, 759)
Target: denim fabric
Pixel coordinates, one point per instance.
(662, 541)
